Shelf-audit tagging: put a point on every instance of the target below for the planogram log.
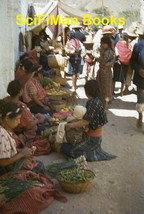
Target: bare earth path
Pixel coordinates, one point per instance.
(118, 187)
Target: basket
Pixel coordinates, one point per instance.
(58, 107)
(76, 188)
(62, 81)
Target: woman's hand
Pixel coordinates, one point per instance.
(46, 108)
(26, 152)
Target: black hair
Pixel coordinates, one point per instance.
(71, 34)
(23, 56)
(9, 109)
(124, 36)
(92, 89)
(14, 87)
(107, 40)
(28, 65)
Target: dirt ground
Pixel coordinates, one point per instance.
(118, 187)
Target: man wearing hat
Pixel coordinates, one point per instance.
(132, 35)
(137, 63)
(89, 58)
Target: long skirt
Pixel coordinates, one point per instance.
(74, 64)
(91, 149)
(104, 78)
(120, 72)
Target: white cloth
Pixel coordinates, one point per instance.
(60, 135)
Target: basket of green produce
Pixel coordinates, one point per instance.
(75, 180)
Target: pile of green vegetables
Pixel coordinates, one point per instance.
(54, 169)
(11, 188)
(46, 81)
(74, 176)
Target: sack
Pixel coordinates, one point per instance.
(42, 146)
(124, 52)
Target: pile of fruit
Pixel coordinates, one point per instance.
(54, 121)
(55, 91)
(49, 82)
(67, 109)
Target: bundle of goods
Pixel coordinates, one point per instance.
(67, 109)
(75, 180)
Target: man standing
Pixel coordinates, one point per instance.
(137, 63)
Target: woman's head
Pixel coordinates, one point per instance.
(15, 88)
(10, 113)
(124, 37)
(38, 72)
(28, 65)
(106, 42)
(71, 34)
(92, 89)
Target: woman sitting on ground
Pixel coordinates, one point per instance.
(94, 119)
(29, 124)
(34, 95)
(19, 164)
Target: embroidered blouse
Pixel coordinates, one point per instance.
(95, 114)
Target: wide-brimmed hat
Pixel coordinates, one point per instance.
(120, 27)
(108, 29)
(89, 40)
(76, 26)
(131, 31)
(140, 30)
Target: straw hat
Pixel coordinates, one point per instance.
(108, 30)
(78, 114)
(120, 27)
(131, 32)
(140, 30)
(89, 40)
(76, 26)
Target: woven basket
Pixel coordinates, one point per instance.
(62, 81)
(58, 107)
(76, 188)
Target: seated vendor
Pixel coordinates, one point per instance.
(34, 95)
(95, 119)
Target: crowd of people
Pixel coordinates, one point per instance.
(104, 56)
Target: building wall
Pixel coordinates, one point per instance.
(9, 39)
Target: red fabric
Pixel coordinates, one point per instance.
(55, 29)
(89, 63)
(33, 200)
(33, 54)
(42, 146)
(33, 87)
(72, 45)
(30, 163)
(124, 52)
(19, 73)
(62, 115)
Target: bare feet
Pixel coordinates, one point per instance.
(139, 124)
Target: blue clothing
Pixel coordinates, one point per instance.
(115, 39)
(95, 114)
(80, 36)
(91, 149)
(137, 65)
